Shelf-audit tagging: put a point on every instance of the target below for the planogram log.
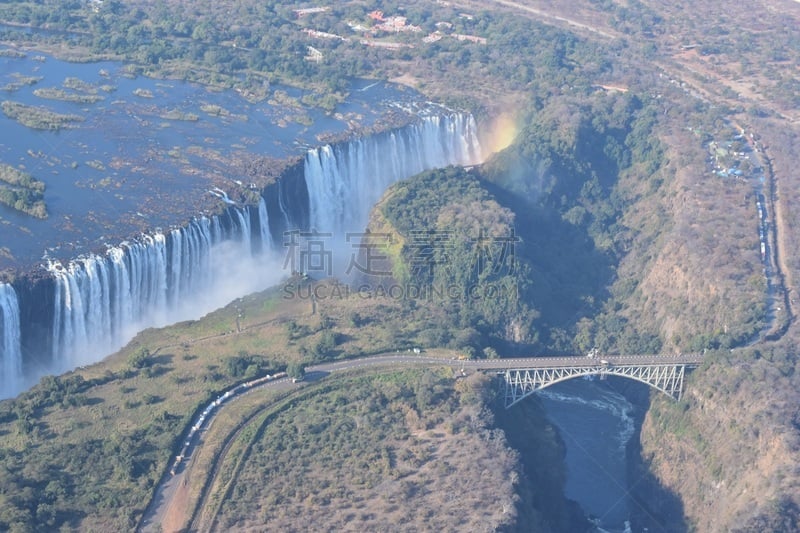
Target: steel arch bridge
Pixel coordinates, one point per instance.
(663, 373)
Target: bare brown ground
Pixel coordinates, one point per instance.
(177, 515)
(407, 79)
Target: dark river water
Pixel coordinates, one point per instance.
(596, 424)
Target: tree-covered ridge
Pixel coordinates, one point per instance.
(460, 246)
(737, 428)
(416, 449)
(559, 196)
(594, 181)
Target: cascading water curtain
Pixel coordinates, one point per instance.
(10, 351)
(101, 301)
(345, 181)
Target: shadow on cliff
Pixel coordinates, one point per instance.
(542, 505)
(652, 505)
(570, 275)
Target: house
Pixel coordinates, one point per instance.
(314, 55)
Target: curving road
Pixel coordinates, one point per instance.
(174, 487)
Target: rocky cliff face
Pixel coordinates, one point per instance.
(731, 448)
(36, 291)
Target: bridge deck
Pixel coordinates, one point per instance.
(585, 362)
(523, 377)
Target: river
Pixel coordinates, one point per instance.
(596, 424)
(128, 244)
(144, 144)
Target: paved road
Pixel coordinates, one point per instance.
(518, 362)
(168, 489)
(583, 361)
(171, 485)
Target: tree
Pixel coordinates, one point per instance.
(296, 371)
(325, 346)
(490, 353)
(139, 358)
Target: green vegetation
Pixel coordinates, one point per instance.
(77, 84)
(175, 114)
(264, 43)
(627, 242)
(7, 52)
(591, 182)
(39, 118)
(143, 93)
(213, 109)
(105, 434)
(550, 234)
(140, 359)
(459, 248)
(24, 200)
(399, 447)
(737, 428)
(296, 371)
(565, 178)
(219, 111)
(20, 82)
(54, 93)
(22, 192)
(17, 178)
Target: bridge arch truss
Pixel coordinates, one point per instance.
(521, 383)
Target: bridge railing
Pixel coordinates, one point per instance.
(665, 375)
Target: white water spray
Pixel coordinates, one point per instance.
(11, 355)
(345, 181)
(101, 300)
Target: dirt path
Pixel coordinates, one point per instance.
(542, 15)
(177, 512)
(172, 508)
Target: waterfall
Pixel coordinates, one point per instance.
(244, 233)
(345, 181)
(282, 207)
(100, 301)
(11, 355)
(263, 223)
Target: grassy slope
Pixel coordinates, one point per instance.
(730, 449)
